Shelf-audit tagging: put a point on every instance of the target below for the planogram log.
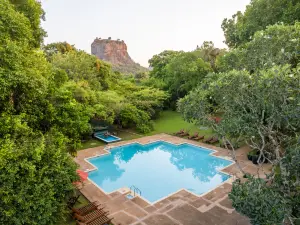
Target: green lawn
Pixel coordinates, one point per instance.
(169, 122)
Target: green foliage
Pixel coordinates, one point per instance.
(149, 100)
(24, 72)
(180, 72)
(71, 114)
(209, 53)
(154, 83)
(258, 15)
(127, 69)
(262, 109)
(258, 107)
(159, 63)
(14, 25)
(36, 176)
(33, 11)
(40, 96)
(185, 72)
(267, 205)
(141, 76)
(58, 47)
(101, 93)
(131, 116)
(82, 66)
(277, 45)
(271, 202)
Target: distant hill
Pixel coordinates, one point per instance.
(115, 52)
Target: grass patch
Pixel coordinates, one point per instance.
(91, 144)
(170, 122)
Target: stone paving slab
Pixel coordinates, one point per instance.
(162, 203)
(159, 219)
(136, 211)
(122, 218)
(142, 203)
(93, 193)
(189, 215)
(150, 209)
(218, 193)
(226, 203)
(167, 208)
(200, 202)
(181, 208)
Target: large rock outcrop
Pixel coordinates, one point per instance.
(115, 52)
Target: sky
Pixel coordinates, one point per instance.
(148, 27)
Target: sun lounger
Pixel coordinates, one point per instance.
(99, 221)
(90, 216)
(198, 138)
(214, 140)
(207, 139)
(184, 134)
(86, 209)
(193, 136)
(179, 132)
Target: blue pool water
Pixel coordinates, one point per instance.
(158, 169)
(107, 139)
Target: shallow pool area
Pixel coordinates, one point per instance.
(106, 138)
(159, 169)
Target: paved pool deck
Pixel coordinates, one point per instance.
(181, 208)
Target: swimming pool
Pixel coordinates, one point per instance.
(159, 169)
(107, 139)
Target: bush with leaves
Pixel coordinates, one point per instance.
(159, 63)
(258, 15)
(33, 11)
(149, 100)
(267, 206)
(180, 71)
(262, 109)
(82, 66)
(272, 201)
(57, 47)
(92, 84)
(277, 45)
(36, 176)
(130, 116)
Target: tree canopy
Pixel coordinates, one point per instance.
(36, 176)
(259, 14)
(49, 96)
(276, 45)
(255, 91)
(261, 108)
(36, 171)
(179, 71)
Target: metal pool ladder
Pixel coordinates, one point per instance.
(135, 190)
